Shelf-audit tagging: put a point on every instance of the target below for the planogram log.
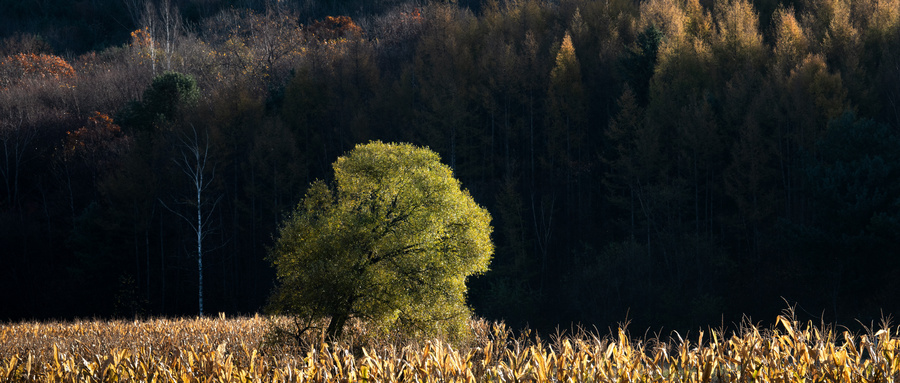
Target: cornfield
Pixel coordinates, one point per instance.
(234, 350)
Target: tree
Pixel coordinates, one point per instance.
(791, 41)
(15, 140)
(854, 208)
(87, 155)
(21, 67)
(165, 100)
(391, 241)
(566, 135)
(200, 172)
(639, 62)
(166, 164)
(161, 30)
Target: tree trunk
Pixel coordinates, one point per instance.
(194, 164)
(336, 326)
(162, 266)
(200, 242)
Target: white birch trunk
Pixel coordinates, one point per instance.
(194, 164)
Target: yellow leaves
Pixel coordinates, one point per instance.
(885, 17)
(737, 40)
(699, 21)
(791, 42)
(667, 15)
(738, 24)
(566, 74)
(824, 88)
(566, 56)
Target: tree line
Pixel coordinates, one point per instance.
(676, 163)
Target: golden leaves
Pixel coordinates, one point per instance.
(791, 41)
(566, 61)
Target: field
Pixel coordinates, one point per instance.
(234, 350)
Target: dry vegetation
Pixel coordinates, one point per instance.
(234, 350)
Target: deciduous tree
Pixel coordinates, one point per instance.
(200, 169)
(392, 241)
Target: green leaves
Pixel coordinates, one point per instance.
(393, 241)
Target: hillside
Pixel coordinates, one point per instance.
(679, 163)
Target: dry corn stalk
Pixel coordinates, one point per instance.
(229, 350)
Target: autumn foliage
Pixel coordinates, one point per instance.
(334, 27)
(22, 66)
(141, 38)
(678, 162)
(98, 135)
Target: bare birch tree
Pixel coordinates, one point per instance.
(164, 26)
(196, 165)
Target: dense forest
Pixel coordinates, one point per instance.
(675, 163)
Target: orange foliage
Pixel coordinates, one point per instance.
(144, 45)
(21, 66)
(334, 27)
(100, 136)
(413, 17)
(141, 38)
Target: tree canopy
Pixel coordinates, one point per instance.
(392, 241)
(164, 99)
(679, 163)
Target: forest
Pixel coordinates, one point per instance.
(672, 163)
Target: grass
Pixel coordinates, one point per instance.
(235, 350)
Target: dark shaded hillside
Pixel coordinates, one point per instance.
(678, 162)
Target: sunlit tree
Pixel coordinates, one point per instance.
(391, 241)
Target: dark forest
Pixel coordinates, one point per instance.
(673, 163)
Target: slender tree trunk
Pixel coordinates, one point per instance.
(336, 326)
(71, 193)
(200, 239)
(147, 248)
(253, 228)
(149, 21)
(194, 163)
(162, 265)
(137, 250)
